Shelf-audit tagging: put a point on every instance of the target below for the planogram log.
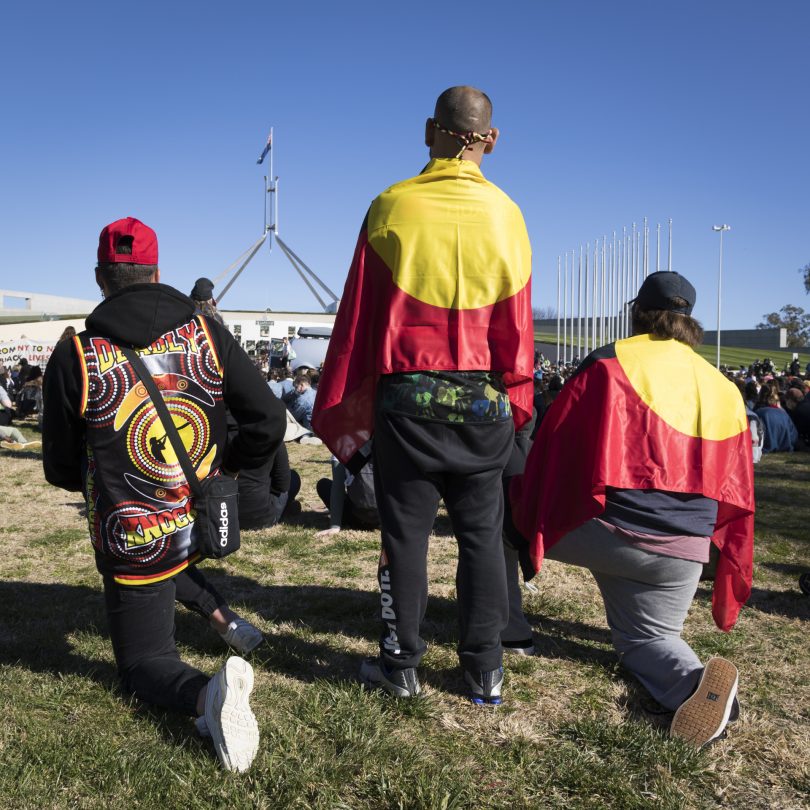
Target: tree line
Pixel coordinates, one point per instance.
(793, 319)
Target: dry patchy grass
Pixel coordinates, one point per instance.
(574, 733)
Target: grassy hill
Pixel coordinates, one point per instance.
(729, 355)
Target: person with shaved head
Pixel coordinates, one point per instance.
(432, 355)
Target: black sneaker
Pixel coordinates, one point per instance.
(484, 688)
(402, 683)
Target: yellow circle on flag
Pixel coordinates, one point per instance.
(690, 395)
(450, 238)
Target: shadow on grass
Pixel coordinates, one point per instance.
(318, 611)
(790, 604)
(19, 453)
(314, 635)
(38, 618)
(786, 568)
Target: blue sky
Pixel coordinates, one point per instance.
(609, 111)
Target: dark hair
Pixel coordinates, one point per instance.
(793, 396)
(464, 109)
(768, 395)
(751, 390)
(668, 325)
(209, 309)
(67, 334)
(118, 275)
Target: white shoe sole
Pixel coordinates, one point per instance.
(519, 650)
(232, 724)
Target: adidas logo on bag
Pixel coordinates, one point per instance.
(223, 524)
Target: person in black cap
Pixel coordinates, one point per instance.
(641, 463)
(202, 294)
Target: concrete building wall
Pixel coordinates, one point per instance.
(249, 328)
(35, 305)
(764, 339)
(255, 330)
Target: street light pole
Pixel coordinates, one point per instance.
(719, 229)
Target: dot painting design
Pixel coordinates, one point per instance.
(150, 448)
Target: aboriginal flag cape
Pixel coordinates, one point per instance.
(440, 280)
(645, 413)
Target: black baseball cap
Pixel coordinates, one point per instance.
(660, 289)
(203, 289)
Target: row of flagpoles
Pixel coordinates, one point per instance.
(595, 285)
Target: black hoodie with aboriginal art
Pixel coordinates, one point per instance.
(102, 434)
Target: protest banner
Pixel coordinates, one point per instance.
(36, 352)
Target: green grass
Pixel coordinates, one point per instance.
(729, 355)
(576, 731)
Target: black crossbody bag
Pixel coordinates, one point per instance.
(216, 498)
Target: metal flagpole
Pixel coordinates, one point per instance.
(585, 300)
(594, 296)
(619, 305)
(557, 361)
(669, 258)
(614, 255)
(622, 282)
(633, 263)
(579, 308)
(604, 289)
(658, 248)
(721, 229)
(565, 310)
(624, 278)
(628, 289)
(571, 310)
(646, 258)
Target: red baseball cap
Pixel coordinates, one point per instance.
(131, 232)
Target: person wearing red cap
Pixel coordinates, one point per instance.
(102, 436)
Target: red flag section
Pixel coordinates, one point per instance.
(440, 280)
(647, 414)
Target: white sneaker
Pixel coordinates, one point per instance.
(309, 440)
(228, 718)
(242, 636)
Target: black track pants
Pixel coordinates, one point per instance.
(415, 464)
(141, 624)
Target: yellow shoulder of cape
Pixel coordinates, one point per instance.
(451, 238)
(688, 393)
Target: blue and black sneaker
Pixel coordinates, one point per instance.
(484, 688)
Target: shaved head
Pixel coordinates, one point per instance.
(464, 109)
